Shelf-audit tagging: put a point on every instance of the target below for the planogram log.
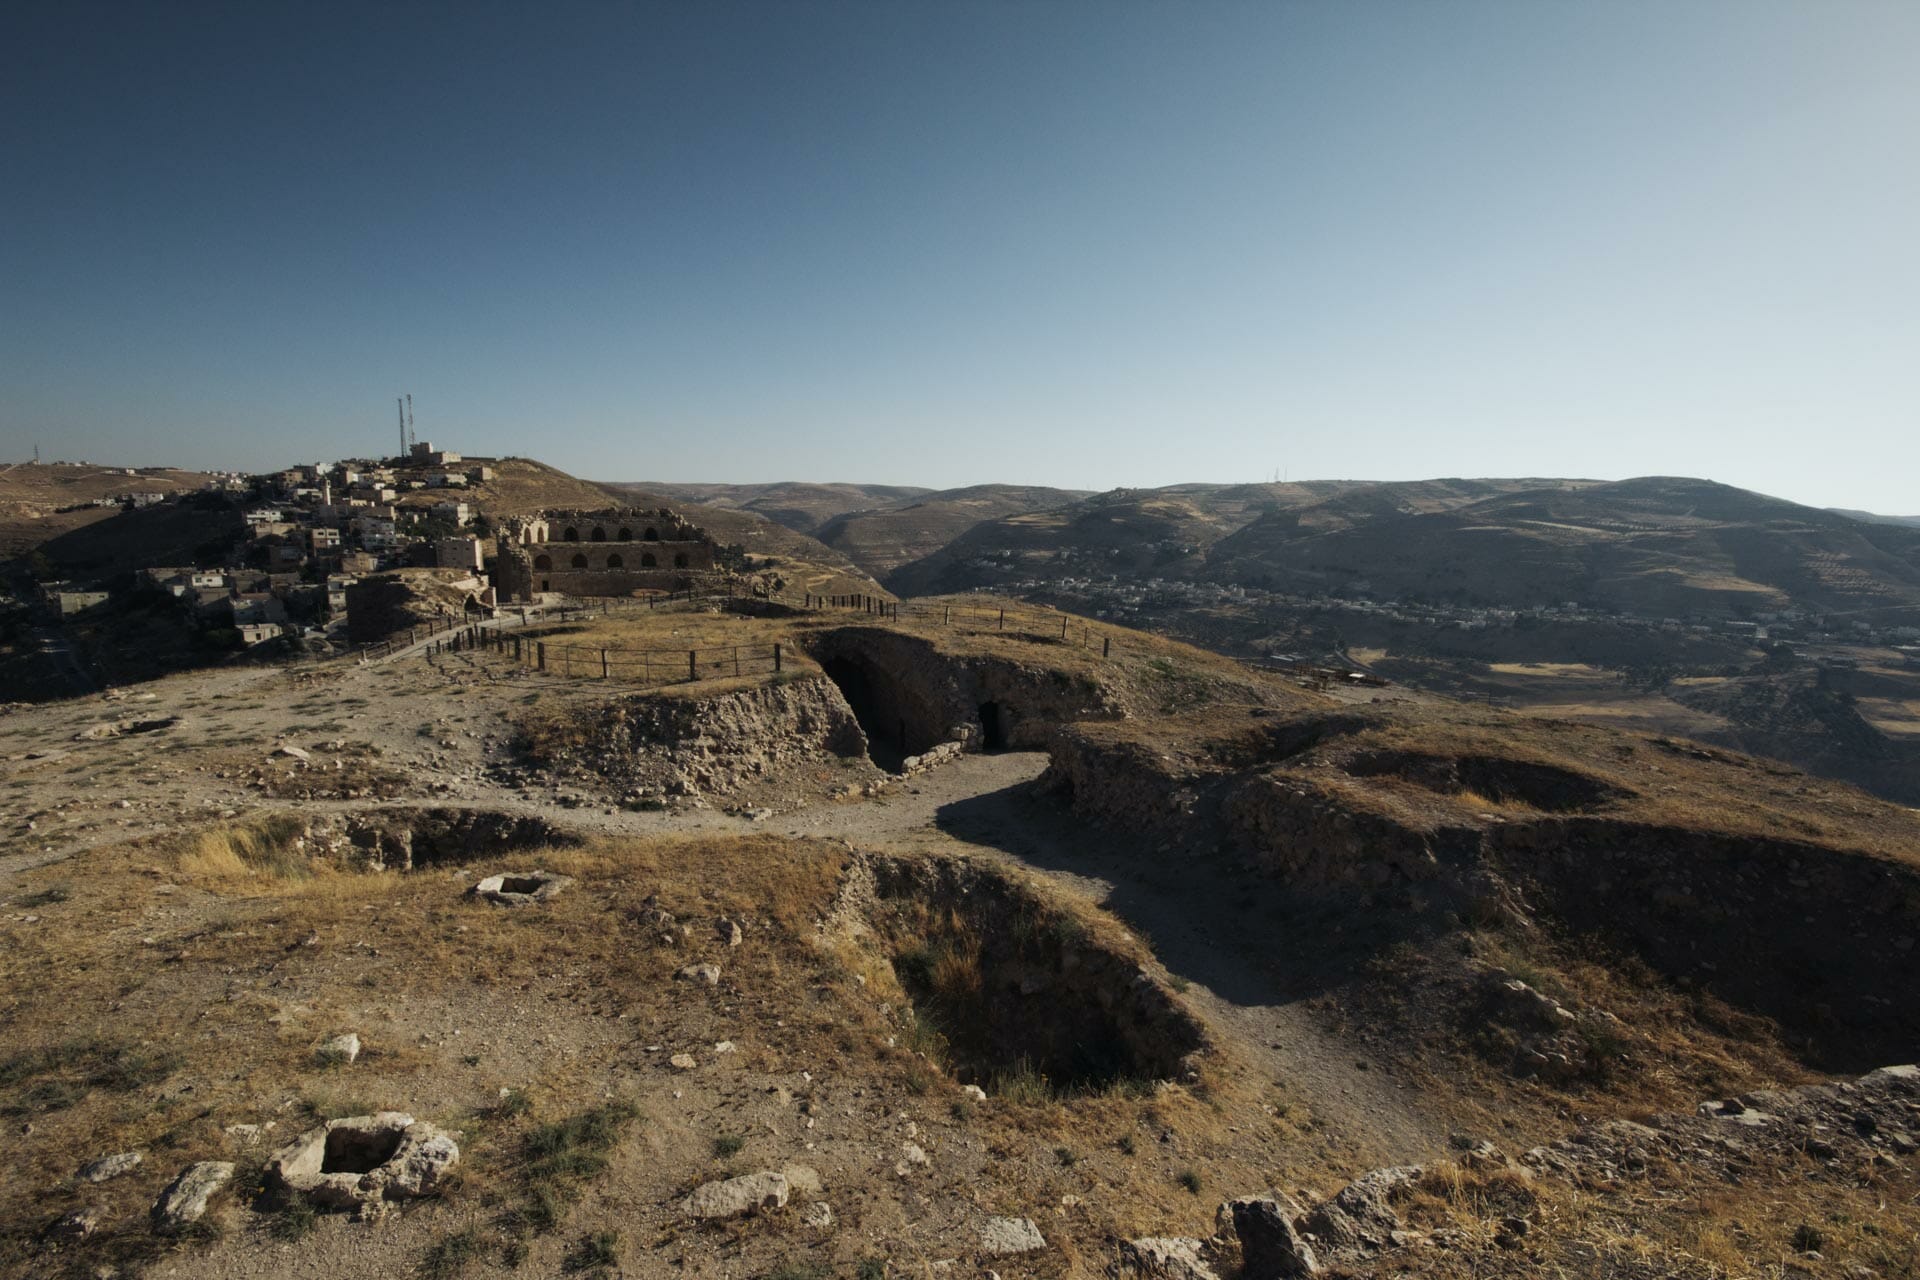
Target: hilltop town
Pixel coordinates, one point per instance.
(312, 559)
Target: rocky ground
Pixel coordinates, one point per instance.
(697, 1058)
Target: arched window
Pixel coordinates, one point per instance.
(543, 563)
(573, 535)
(615, 562)
(599, 534)
(647, 561)
(579, 562)
(653, 535)
(680, 560)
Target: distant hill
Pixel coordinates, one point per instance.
(877, 527)
(881, 540)
(1656, 545)
(799, 506)
(32, 496)
(1169, 532)
(1872, 518)
(521, 485)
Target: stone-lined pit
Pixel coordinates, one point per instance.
(359, 1160)
(359, 1150)
(1007, 987)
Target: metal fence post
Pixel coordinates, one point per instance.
(693, 664)
(776, 655)
(541, 647)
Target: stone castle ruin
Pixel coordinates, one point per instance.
(619, 551)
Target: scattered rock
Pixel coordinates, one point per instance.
(1163, 1258)
(728, 931)
(75, 1224)
(1269, 1244)
(707, 973)
(287, 749)
(818, 1215)
(973, 1091)
(1010, 1235)
(750, 1193)
(802, 1180)
(342, 1049)
(107, 1167)
(1516, 1003)
(184, 1202)
(1361, 1217)
(683, 1061)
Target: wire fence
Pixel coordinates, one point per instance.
(551, 654)
(1046, 624)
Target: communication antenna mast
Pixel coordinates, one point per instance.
(411, 438)
(401, 410)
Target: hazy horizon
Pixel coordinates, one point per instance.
(1076, 245)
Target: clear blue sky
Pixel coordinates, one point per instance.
(1085, 245)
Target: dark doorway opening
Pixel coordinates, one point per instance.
(993, 729)
(886, 731)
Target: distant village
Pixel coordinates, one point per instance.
(309, 535)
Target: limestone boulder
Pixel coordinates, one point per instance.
(109, 1167)
(1163, 1258)
(735, 1197)
(185, 1200)
(1270, 1245)
(1001, 1236)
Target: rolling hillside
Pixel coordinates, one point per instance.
(1169, 532)
(1655, 545)
(799, 506)
(38, 502)
(882, 540)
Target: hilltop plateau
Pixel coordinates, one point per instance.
(946, 938)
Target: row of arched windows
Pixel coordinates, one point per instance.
(544, 563)
(597, 534)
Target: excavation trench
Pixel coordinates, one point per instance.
(1014, 993)
(407, 839)
(395, 839)
(910, 697)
